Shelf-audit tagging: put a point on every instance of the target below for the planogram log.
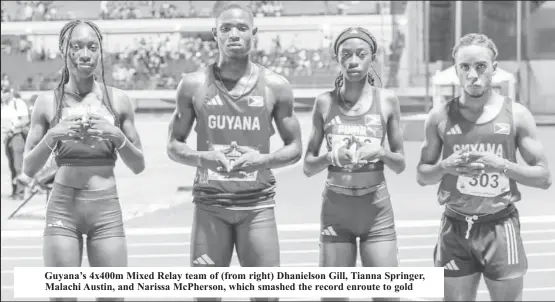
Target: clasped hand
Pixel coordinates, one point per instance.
(79, 127)
(249, 161)
(358, 153)
(472, 163)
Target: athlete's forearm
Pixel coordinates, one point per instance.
(181, 153)
(132, 156)
(395, 161)
(37, 157)
(316, 164)
(286, 156)
(430, 174)
(532, 176)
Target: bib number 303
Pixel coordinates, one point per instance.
(485, 185)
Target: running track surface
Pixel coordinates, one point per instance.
(161, 238)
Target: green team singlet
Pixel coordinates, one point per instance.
(224, 122)
(490, 192)
(353, 132)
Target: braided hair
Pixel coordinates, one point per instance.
(365, 35)
(65, 37)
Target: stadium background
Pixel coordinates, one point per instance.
(149, 44)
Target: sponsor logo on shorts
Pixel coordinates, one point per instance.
(203, 260)
(55, 224)
(329, 231)
(451, 266)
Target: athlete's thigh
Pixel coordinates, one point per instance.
(62, 241)
(453, 250)
(462, 288)
(107, 252)
(379, 253)
(62, 251)
(212, 237)
(257, 239)
(501, 250)
(338, 254)
(505, 290)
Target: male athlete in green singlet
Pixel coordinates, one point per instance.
(479, 134)
(234, 103)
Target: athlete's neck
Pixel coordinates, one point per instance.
(80, 86)
(233, 69)
(351, 91)
(477, 104)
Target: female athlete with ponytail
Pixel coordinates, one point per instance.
(85, 124)
(354, 119)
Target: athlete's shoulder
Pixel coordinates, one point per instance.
(117, 93)
(44, 105)
(192, 81)
(323, 101)
(439, 113)
(119, 99)
(279, 85)
(388, 97)
(386, 94)
(47, 98)
(522, 116)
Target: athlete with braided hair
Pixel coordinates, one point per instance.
(354, 120)
(84, 123)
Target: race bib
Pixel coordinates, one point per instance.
(485, 185)
(352, 143)
(232, 155)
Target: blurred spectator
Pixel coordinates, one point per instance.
(158, 63)
(5, 81)
(15, 127)
(120, 10)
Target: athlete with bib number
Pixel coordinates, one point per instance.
(354, 120)
(479, 134)
(234, 103)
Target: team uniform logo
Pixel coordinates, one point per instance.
(502, 128)
(372, 120)
(255, 101)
